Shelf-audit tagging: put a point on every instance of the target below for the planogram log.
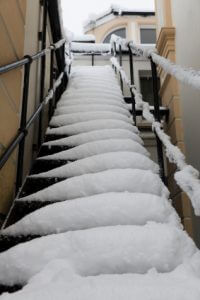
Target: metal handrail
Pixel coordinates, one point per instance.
(22, 62)
(186, 176)
(26, 62)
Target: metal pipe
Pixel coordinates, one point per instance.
(120, 62)
(131, 65)
(43, 68)
(20, 163)
(132, 83)
(21, 134)
(92, 59)
(157, 118)
(51, 81)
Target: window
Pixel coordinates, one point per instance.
(146, 86)
(120, 32)
(148, 35)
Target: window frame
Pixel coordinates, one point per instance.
(146, 27)
(114, 29)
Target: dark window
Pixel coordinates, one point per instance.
(146, 87)
(148, 35)
(120, 32)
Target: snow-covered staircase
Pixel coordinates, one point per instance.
(94, 213)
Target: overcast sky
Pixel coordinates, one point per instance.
(75, 12)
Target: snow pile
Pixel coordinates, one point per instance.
(91, 48)
(96, 135)
(93, 107)
(91, 100)
(56, 281)
(102, 162)
(83, 38)
(96, 251)
(51, 92)
(185, 75)
(92, 125)
(98, 147)
(128, 180)
(96, 211)
(68, 119)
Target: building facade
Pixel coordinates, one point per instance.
(176, 40)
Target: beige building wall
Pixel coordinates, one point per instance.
(20, 22)
(12, 33)
(131, 23)
(177, 31)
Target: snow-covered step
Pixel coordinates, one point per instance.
(104, 250)
(96, 135)
(95, 211)
(91, 100)
(102, 162)
(98, 147)
(92, 125)
(91, 107)
(130, 180)
(56, 280)
(68, 119)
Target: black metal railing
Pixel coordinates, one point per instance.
(25, 124)
(156, 111)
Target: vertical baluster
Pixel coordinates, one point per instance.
(43, 67)
(132, 83)
(51, 80)
(157, 117)
(120, 62)
(20, 163)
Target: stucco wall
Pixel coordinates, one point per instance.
(187, 23)
(20, 22)
(12, 32)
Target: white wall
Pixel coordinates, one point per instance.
(187, 23)
(185, 16)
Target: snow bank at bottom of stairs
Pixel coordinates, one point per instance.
(96, 211)
(57, 282)
(103, 250)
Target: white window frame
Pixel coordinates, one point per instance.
(114, 29)
(145, 27)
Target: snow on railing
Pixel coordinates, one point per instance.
(186, 177)
(185, 75)
(55, 86)
(60, 43)
(91, 48)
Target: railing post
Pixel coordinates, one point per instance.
(51, 80)
(93, 59)
(43, 67)
(131, 65)
(157, 118)
(133, 107)
(120, 62)
(115, 54)
(22, 128)
(132, 83)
